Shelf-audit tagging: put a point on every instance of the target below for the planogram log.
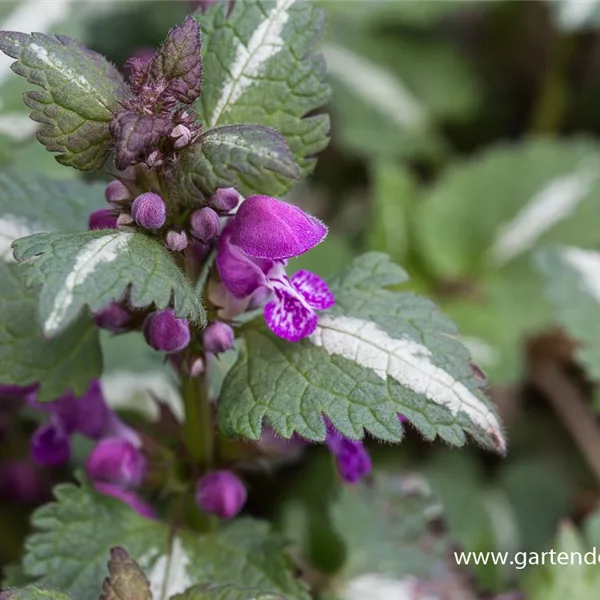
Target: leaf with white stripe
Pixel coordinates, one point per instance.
(69, 360)
(73, 536)
(575, 15)
(376, 354)
(240, 156)
(572, 284)
(93, 268)
(80, 91)
(32, 203)
(487, 212)
(259, 67)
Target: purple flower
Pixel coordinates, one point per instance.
(165, 332)
(221, 493)
(352, 459)
(218, 337)
(115, 460)
(102, 219)
(116, 192)
(252, 255)
(149, 211)
(114, 318)
(225, 199)
(204, 224)
(127, 496)
(50, 444)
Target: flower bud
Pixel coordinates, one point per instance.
(224, 199)
(176, 241)
(205, 223)
(221, 493)
(116, 192)
(115, 460)
(165, 332)
(196, 367)
(50, 445)
(155, 159)
(124, 220)
(102, 219)
(149, 211)
(218, 337)
(113, 318)
(353, 461)
(182, 136)
(127, 496)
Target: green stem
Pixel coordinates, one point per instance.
(198, 427)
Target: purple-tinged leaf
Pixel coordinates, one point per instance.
(179, 61)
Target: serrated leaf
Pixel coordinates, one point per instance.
(570, 15)
(33, 203)
(93, 268)
(225, 592)
(572, 285)
(126, 580)
(33, 592)
(259, 67)
(377, 353)
(73, 537)
(80, 92)
(69, 360)
(180, 60)
(240, 156)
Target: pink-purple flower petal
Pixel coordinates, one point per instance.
(315, 291)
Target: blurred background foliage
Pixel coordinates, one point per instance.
(449, 120)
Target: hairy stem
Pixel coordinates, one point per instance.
(199, 432)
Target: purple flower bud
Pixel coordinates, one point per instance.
(102, 219)
(353, 461)
(218, 337)
(50, 445)
(176, 241)
(221, 493)
(125, 220)
(196, 367)
(115, 460)
(165, 332)
(155, 160)
(149, 211)
(205, 224)
(225, 199)
(127, 496)
(116, 192)
(265, 227)
(113, 318)
(182, 136)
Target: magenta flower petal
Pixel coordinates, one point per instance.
(50, 445)
(288, 315)
(314, 289)
(113, 318)
(87, 415)
(353, 461)
(102, 219)
(115, 460)
(127, 496)
(268, 228)
(239, 274)
(221, 493)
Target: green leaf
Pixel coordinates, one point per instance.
(572, 285)
(32, 203)
(392, 205)
(225, 592)
(469, 224)
(126, 580)
(73, 536)
(240, 156)
(33, 592)
(81, 90)
(388, 95)
(259, 67)
(69, 360)
(377, 353)
(93, 268)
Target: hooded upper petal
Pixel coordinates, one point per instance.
(265, 227)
